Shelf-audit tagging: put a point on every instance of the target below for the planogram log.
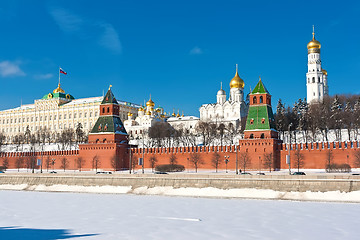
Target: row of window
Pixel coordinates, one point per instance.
(45, 118)
(313, 80)
(53, 128)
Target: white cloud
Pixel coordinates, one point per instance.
(100, 32)
(43, 76)
(110, 38)
(10, 69)
(196, 51)
(67, 21)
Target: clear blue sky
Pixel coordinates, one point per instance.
(177, 51)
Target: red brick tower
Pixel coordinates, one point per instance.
(260, 135)
(108, 139)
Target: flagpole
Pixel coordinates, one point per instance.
(59, 75)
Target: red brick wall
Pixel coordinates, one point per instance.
(314, 155)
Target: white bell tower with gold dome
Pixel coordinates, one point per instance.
(316, 77)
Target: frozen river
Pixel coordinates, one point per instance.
(42, 215)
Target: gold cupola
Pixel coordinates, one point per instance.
(150, 103)
(58, 89)
(237, 82)
(314, 45)
(324, 72)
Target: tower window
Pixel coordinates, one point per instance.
(254, 100)
(313, 79)
(262, 135)
(251, 136)
(318, 79)
(261, 99)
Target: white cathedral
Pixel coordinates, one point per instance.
(233, 110)
(316, 77)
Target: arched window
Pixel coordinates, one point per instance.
(262, 135)
(103, 110)
(318, 79)
(108, 109)
(313, 79)
(251, 136)
(261, 99)
(254, 100)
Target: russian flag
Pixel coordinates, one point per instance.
(62, 71)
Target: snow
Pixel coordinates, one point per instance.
(38, 147)
(209, 192)
(42, 215)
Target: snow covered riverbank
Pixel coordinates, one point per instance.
(209, 192)
(42, 215)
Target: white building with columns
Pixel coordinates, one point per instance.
(316, 77)
(233, 109)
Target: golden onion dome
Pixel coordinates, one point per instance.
(313, 43)
(129, 114)
(58, 89)
(141, 109)
(148, 113)
(150, 103)
(324, 72)
(237, 82)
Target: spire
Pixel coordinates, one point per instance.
(313, 33)
(236, 68)
(110, 87)
(221, 85)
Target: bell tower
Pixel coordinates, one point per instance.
(316, 77)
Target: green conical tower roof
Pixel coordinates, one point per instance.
(260, 88)
(109, 97)
(109, 123)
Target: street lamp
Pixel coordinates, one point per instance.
(237, 168)
(226, 162)
(259, 164)
(288, 156)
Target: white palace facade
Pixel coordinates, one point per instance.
(56, 111)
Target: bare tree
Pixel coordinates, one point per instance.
(80, 161)
(96, 162)
(299, 159)
(357, 159)
(6, 163)
(196, 160)
(2, 140)
(64, 163)
(133, 163)
(19, 162)
(268, 161)
(329, 157)
(244, 160)
(215, 160)
(173, 159)
(114, 162)
(153, 160)
(47, 163)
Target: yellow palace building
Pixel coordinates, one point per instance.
(56, 111)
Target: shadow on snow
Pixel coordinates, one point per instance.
(37, 234)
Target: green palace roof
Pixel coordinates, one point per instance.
(58, 93)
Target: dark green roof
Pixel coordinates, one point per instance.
(262, 118)
(58, 95)
(260, 88)
(109, 98)
(109, 124)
